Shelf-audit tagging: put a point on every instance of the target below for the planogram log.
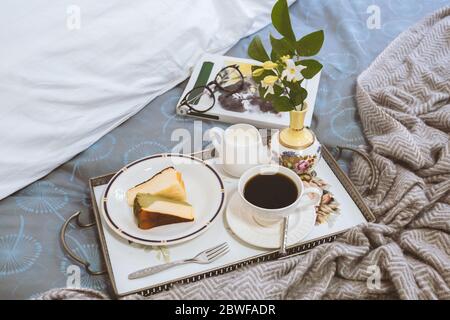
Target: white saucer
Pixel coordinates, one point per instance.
(247, 229)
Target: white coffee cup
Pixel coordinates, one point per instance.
(267, 217)
(240, 147)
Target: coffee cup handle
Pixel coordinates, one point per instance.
(216, 136)
(306, 201)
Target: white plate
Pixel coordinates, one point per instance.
(204, 188)
(245, 227)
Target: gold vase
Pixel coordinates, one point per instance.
(296, 146)
(296, 136)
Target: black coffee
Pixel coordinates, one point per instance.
(271, 191)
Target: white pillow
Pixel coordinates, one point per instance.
(70, 74)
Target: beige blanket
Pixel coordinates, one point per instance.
(404, 104)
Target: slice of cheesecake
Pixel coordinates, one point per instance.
(152, 211)
(167, 183)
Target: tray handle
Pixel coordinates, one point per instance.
(69, 252)
(374, 177)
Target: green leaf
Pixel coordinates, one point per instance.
(278, 90)
(281, 20)
(310, 44)
(262, 93)
(282, 104)
(312, 68)
(281, 47)
(292, 85)
(256, 50)
(298, 95)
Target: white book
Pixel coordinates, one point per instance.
(244, 106)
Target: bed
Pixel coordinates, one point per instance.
(31, 259)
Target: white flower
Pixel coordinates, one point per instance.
(292, 73)
(267, 83)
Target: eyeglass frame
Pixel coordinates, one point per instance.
(211, 91)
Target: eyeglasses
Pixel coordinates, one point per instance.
(201, 99)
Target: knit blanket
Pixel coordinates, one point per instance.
(404, 104)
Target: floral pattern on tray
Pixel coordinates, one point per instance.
(300, 164)
(162, 253)
(328, 210)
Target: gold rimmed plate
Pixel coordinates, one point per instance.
(204, 188)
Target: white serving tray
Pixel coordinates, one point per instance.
(123, 257)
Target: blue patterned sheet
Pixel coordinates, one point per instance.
(31, 258)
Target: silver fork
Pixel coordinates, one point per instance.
(203, 257)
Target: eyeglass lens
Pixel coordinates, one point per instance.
(230, 79)
(200, 99)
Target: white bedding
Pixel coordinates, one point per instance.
(62, 88)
